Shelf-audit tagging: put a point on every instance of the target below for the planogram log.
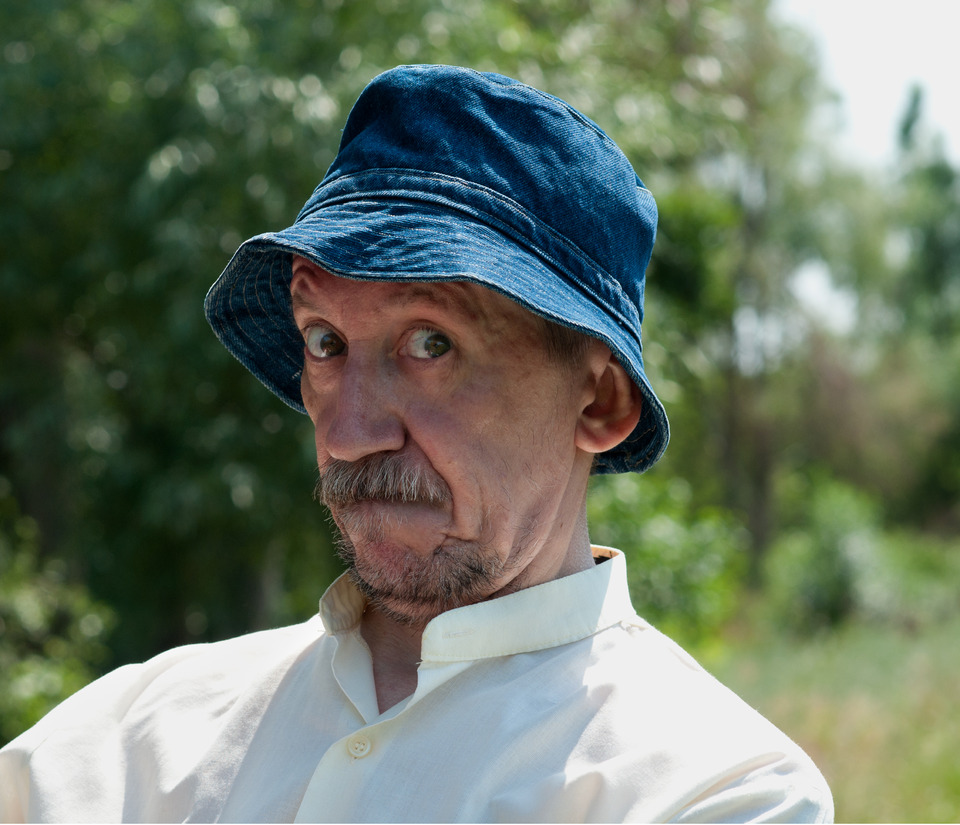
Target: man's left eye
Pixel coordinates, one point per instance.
(428, 343)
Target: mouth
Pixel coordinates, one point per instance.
(419, 526)
(392, 507)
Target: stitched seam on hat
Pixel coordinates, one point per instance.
(438, 176)
(248, 347)
(487, 217)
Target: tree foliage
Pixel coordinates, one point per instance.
(51, 633)
(142, 141)
(684, 563)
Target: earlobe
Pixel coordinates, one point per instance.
(612, 413)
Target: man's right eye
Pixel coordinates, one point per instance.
(323, 342)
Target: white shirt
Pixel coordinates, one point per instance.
(553, 704)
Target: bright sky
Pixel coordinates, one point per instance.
(872, 51)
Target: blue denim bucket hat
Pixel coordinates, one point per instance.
(449, 174)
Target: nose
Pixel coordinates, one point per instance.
(363, 413)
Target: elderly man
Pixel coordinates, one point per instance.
(457, 308)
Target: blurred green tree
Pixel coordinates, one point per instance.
(145, 141)
(684, 563)
(927, 295)
(51, 633)
(142, 141)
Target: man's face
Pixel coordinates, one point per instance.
(445, 438)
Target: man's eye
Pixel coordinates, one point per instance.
(428, 343)
(324, 343)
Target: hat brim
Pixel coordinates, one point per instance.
(250, 311)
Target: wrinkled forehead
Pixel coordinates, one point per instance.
(465, 301)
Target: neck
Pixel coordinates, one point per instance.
(395, 651)
(395, 646)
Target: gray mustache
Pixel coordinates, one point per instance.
(379, 477)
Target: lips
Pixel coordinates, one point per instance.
(419, 526)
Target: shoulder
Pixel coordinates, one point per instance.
(137, 716)
(666, 722)
(201, 671)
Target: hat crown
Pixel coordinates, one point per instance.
(496, 134)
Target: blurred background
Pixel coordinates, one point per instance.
(802, 534)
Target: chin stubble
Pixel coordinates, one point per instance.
(454, 575)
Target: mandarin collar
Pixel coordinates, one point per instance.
(547, 615)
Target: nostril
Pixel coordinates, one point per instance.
(356, 430)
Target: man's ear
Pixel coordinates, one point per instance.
(613, 410)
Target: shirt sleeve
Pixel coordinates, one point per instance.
(79, 731)
(785, 790)
(12, 787)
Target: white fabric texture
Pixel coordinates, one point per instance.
(553, 704)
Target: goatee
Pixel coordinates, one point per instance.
(415, 588)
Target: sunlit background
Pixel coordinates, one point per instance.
(802, 535)
(872, 55)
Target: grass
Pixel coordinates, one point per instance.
(877, 708)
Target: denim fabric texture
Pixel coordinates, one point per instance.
(449, 174)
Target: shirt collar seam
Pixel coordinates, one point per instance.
(545, 644)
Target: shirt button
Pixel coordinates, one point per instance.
(358, 746)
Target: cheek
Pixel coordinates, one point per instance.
(311, 402)
(512, 437)
(309, 396)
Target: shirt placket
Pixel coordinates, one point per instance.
(344, 772)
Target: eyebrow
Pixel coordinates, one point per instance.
(297, 301)
(452, 296)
